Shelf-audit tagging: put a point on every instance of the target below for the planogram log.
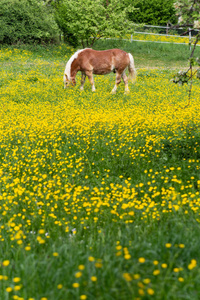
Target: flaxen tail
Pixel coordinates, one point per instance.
(131, 69)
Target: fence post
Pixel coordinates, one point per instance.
(131, 38)
(167, 28)
(190, 37)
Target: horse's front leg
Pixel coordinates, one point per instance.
(117, 82)
(90, 77)
(83, 76)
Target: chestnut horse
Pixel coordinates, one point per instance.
(90, 62)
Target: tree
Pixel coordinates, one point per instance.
(85, 21)
(188, 12)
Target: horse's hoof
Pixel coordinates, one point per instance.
(126, 92)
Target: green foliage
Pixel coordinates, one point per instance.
(154, 12)
(85, 21)
(26, 21)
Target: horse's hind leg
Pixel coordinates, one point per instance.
(83, 76)
(90, 77)
(117, 82)
(125, 79)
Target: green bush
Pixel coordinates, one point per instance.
(153, 12)
(26, 21)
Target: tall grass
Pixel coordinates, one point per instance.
(99, 193)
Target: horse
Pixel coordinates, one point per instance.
(89, 62)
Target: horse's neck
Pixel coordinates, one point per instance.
(74, 69)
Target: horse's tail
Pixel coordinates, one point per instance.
(131, 69)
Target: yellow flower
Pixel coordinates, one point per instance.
(150, 291)
(119, 247)
(16, 279)
(27, 248)
(176, 270)
(5, 263)
(146, 280)
(181, 279)
(78, 274)
(83, 297)
(156, 272)
(40, 240)
(94, 278)
(91, 258)
(59, 286)
(75, 285)
(98, 265)
(136, 276)
(127, 276)
(127, 256)
(192, 264)
(17, 287)
(141, 292)
(9, 289)
(81, 267)
(141, 260)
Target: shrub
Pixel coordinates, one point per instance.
(26, 21)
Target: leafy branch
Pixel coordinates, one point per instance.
(189, 17)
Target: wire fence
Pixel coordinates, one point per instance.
(167, 30)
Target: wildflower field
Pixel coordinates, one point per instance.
(99, 193)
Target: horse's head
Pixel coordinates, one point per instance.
(68, 82)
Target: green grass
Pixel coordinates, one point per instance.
(99, 193)
(149, 54)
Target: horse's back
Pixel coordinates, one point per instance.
(109, 52)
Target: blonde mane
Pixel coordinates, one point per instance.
(70, 61)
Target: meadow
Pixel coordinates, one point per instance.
(99, 193)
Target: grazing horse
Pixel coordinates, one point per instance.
(90, 62)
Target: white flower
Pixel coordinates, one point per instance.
(180, 19)
(197, 24)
